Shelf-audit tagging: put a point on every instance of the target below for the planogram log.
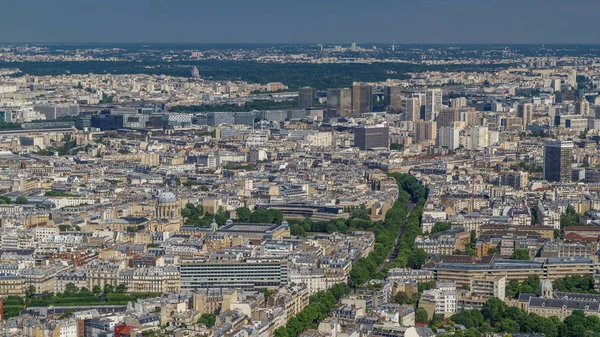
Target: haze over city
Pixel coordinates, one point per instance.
(299, 168)
(309, 21)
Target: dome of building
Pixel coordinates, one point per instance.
(167, 197)
(546, 288)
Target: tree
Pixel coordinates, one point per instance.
(492, 251)
(220, 217)
(440, 227)
(520, 254)
(96, 289)
(70, 289)
(421, 315)
(21, 200)
(108, 288)
(402, 298)
(436, 319)
(261, 216)
(493, 310)
(243, 214)
(30, 291)
(208, 320)
(417, 258)
(569, 217)
(121, 288)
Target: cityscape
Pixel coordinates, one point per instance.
(353, 189)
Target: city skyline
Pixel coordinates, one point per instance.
(182, 21)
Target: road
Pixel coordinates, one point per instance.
(394, 251)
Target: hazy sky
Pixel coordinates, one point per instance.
(302, 21)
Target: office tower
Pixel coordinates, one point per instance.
(459, 102)
(497, 107)
(555, 84)
(516, 180)
(433, 104)
(448, 137)
(393, 98)
(447, 117)
(412, 109)
(479, 137)
(339, 102)
(372, 137)
(362, 100)
(558, 156)
(425, 131)
(582, 107)
(573, 76)
(306, 97)
(525, 111)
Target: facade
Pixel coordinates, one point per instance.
(236, 274)
(371, 137)
(488, 287)
(425, 132)
(158, 280)
(558, 156)
(433, 104)
(448, 137)
(393, 98)
(339, 102)
(306, 97)
(362, 100)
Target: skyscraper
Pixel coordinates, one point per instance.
(306, 97)
(525, 111)
(339, 102)
(448, 137)
(412, 109)
(433, 104)
(479, 137)
(425, 131)
(447, 117)
(582, 107)
(558, 156)
(393, 98)
(371, 137)
(362, 100)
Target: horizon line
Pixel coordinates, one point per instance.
(319, 43)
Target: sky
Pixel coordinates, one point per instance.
(300, 21)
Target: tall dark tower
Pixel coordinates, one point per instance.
(306, 97)
(362, 100)
(558, 156)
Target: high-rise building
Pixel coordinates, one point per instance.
(525, 111)
(447, 117)
(558, 156)
(339, 102)
(412, 109)
(372, 137)
(362, 100)
(582, 107)
(306, 97)
(425, 131)
(393, 98)
(448, 137)
(479, 137)
(459, 102)
(516, 180)
(433, 104)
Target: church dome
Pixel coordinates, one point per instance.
(167, 197)
(546, 288)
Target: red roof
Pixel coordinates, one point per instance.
(582, 229)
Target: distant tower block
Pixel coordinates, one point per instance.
(195, 72)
